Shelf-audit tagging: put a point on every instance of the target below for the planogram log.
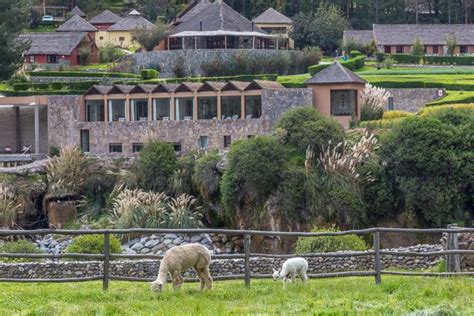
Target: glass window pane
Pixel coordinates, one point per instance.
(207, 108)
(343, 102)
(161, 109)
(203, 142)
(253, 106)
(139, 109)
(230, 108)
(116, 110)
(184, 108)
(95, 111)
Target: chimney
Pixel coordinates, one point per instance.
(200, 26)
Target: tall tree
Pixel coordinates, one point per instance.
(14, 15)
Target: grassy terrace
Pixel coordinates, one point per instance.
(396, 295)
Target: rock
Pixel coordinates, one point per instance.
(177, 241)
(195, 238)
(152, 243)
(137, 246)
(167, 241)
(145, 250)
(170, 236)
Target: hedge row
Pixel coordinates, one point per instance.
(10, 93)
(268, 77)
(54, 86)
(81, 74)
(352, 64)
(148, 74)
(433, 60)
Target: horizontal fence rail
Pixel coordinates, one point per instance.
(247, 256)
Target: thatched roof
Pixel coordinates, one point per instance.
(76, 24)
(130, 23)
(77, 11)
(52, 43)
(272, 16)
(106, 17)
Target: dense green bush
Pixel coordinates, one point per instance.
(19, 246)
(206, 175)
(305, 126)
(155, 165)
(55, 86)
(93, 244)
(149, 74)
(329, 243)
(449, 60)
(355, 53)
(253, 173)
(379, 57)
(406, 58)
(317, 68)
(110, 53)
(429, 160)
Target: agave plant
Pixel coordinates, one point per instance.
(183, 213)
(67, 173)
(9, 205)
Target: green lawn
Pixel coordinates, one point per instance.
(453, 97)
(396, 295)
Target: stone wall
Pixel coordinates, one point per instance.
(412, 100)
(193, 59)
(64, 125)
(40, 79)
(221, 267)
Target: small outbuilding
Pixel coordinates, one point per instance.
(337, 92)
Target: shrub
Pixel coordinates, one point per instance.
(388, 62)
(110, 54)
(417, 48)
(388, 115)
(352, 64)
(253, 173)
(21, 86)
(355, 53)
(406, 58)
(305, 126)
(383, 123)
(93, 244)
(206, 175)
(329, 243)
(427, 111)
(449, 60)
(149, 74)
(67, 173)
(155, 165)
(178, 68)
(150, 37)
(380, 57)
(451, 43)
(182, 213)
(84, 54)
(19, 246)
(9, 205)
(373, 102)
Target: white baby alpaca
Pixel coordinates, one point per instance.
(291, 268)
(179, 259)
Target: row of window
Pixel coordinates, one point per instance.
(137, 147)
(50, 59)
(463, 49)
(161, 109)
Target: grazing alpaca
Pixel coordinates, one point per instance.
(179, 259)
(290, 269)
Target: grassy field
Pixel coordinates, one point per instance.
(396, 295)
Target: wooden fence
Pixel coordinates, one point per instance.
(452, 254)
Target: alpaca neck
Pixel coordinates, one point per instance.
(163, 273)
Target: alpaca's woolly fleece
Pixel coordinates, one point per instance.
(179, 259)
(291, 268)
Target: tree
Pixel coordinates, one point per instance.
(305, 126)
(451, 44)
(323, 28)
(155, 165)
(13, 17)
(150, 37)
(417, 48)
(152, 9)
(252, 175)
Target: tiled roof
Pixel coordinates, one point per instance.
(77, 11)
(263, 84)
(336, 73)
(52, 43)
(106, 17)
(76, 24)
(272, 16)
(131, 23)
(362, 37)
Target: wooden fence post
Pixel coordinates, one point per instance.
(105, 280)
(453, 262)
(377, 265)
(247, 259)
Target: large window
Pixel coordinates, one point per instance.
(52, 59)
(85, 144)
(184, 109)
(95, 111)
(115, 148)
(139, 109)
(161, 109)
(230, 107)
(207, 108)
(203, 142)
(435, 49)
(116, 110)
(253, 106)
(343, 102)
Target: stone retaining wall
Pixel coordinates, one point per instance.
(193, 59)
(149, 268)
(47, 79)
(412, 100)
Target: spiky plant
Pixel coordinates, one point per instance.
(67, 173)
(373, 102)
(9, 205)
(183, 213)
